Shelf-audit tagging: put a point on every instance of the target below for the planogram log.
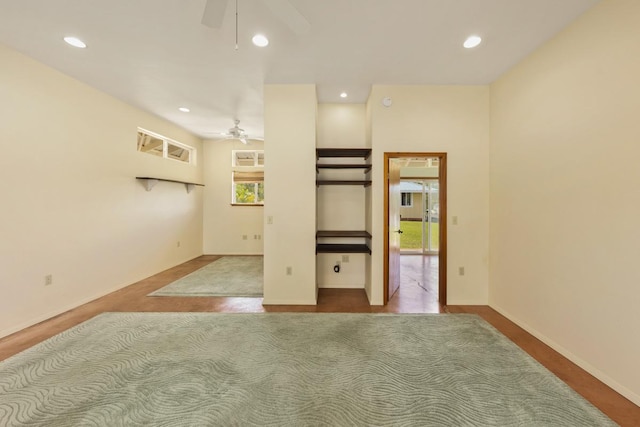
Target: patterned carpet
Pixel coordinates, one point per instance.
(284, 369)
(229, 276)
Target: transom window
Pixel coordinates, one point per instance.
(158, 145)
(247, 177)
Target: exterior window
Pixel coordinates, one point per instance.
(247, 177)
(407, 200)
(158, 145)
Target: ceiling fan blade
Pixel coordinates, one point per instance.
(214, 13)
(288, 14)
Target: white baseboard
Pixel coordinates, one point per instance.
(235, 254)
(54, 313)
(629, 394)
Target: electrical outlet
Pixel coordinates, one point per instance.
(178, 244)
(454, 220)
(48, 280)
(345, 258)
(289, 271)
(269, 219)
(461, 271)
(244, 237)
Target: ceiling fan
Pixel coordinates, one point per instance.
(236, 132)
(214, 12)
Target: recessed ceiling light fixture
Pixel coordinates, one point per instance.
(75, 42)
(343, 95)
(260, 40)
(184, 109)
(472, 41)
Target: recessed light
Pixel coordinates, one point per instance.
(472, 41)
(343, 95)
(184, 109)
(75, 42)
(260, 40)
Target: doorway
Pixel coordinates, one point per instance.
(415, 223)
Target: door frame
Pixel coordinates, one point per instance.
(442, 223)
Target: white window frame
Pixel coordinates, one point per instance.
(165, 147)
(255, 168)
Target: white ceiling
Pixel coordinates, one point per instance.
(156, 54)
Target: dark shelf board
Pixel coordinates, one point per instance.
(325, 248)
(366, 183)
(170, 180)
(343, 233)
(366, 168)
(344, 152)
(150, 181)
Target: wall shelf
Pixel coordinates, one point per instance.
(366, 183)
(365, 153)
(343, 233)
(366, 168)
(344, 152)
(150, 182)
(342, 248)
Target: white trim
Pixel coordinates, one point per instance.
(635, 398)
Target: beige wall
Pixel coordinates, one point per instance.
(341, 207)
(290, 197)
(451, 119)
(225, 225)
(71, 206)
(563, 262)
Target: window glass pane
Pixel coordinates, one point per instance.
(406, 199)
(244, 158)
(261, 192)
(245, 193)
(150, 144)
(178, 153)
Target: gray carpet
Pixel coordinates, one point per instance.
(284, 369)
(229, 276)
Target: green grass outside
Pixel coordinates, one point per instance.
(411, 237)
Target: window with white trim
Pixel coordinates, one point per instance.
(158, 145)
(247, 177)
(407, 200)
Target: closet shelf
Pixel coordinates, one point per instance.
(344, 152)
(366, 183)
(343, 233)
(149, 182)
(350, 248)
(366, 168)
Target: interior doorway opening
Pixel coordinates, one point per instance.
(415, 235)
